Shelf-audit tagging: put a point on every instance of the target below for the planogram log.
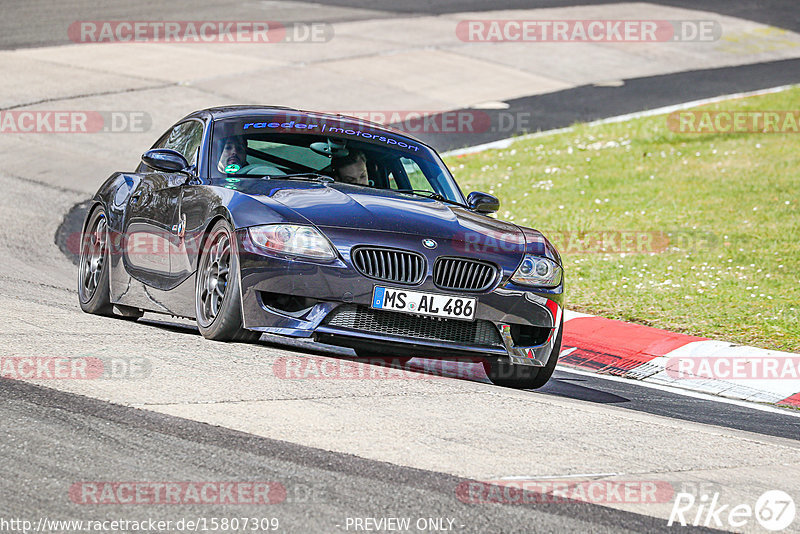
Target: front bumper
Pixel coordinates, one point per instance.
(321, 289)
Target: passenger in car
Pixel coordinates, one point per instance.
(351, 169)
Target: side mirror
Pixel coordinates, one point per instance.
(483, 202)
(165, 159)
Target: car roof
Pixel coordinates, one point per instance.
(229, 112)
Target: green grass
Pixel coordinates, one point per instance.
(730, 202)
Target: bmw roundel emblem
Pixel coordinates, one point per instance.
(429, 243)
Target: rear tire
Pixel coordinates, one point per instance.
(218, 302)
(505, 374)
(93, 287)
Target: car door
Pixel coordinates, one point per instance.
(196, 203)
(152, 227)
(183, 239)
(193, 213)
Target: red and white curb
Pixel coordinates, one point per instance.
(611, 347)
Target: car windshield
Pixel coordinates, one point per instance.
(316, 148)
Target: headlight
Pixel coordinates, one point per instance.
(292, 239)
(537, 271)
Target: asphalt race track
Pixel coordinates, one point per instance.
(402, 445)
(87, 440)
(41, 23)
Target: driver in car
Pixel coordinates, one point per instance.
(351, 169)
(234, 154)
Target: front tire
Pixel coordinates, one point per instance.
(505, 374)
(218, 302)
(93, 287)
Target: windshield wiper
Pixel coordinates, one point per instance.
(427, 193)
(302, 176)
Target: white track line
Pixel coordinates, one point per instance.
(685, 392)
(505, 143)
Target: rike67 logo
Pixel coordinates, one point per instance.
(774, 510)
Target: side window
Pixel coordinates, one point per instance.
(391, 181)
(185, 138)
(415, 175)
(161, 143)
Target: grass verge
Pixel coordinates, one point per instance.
(695, 233)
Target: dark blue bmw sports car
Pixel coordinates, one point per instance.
(262, 219)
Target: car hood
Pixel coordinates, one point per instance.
(353, 207)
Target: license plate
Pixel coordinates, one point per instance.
(387, 298)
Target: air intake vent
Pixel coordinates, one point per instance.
(479, 332)
(398, 266)
(464, 274)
